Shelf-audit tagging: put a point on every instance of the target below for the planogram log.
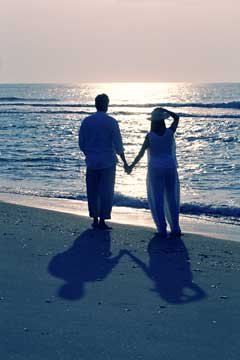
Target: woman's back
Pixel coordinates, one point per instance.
(162, 149)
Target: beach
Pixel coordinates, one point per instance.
(127, 111)
(70, 292)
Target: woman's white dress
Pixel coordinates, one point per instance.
(162, 181)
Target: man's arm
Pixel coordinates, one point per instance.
(122, 156)
(117, 140)
(81, 141)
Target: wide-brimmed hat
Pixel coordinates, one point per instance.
(158, 114)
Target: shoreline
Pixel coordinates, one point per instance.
(127, 215)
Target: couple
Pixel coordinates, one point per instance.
(100, 140)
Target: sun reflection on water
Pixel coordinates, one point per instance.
(135, 93)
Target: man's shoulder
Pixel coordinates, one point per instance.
(103, 118)
(112, 119)
(88, 118)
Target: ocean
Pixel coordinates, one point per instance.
(39, 152)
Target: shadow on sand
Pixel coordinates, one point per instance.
(88, 260)
(169, 269)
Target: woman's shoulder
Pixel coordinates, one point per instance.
(148, 135)
(151, 133)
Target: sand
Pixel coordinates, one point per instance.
(69, 292)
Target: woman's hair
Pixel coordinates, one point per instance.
(157, 126)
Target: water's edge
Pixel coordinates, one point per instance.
(126, 215)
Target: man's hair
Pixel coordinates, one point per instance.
(101, 102)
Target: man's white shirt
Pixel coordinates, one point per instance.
(100, 140)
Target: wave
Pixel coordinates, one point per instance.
(222, 105)
(31, 160)
(119, 113)
(229, 214)
(183, 115)
(225, 105)
(210, 210)
(67, 105)
(208, 116)
(185, 208)
(45, 112)
(14, 98)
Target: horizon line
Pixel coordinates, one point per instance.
(116, 82)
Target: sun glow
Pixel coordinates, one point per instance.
(135, 93)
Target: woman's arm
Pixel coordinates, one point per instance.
(139, 262)
(175, 117)
(140, 154)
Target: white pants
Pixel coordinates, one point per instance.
(164, 198)
(100, 191)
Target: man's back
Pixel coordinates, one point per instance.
(100, 140)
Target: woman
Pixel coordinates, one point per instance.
(162, 179)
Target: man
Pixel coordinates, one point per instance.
(100, 140)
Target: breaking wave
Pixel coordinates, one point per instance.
(29, 101)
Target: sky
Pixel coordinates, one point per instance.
(119, 40)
